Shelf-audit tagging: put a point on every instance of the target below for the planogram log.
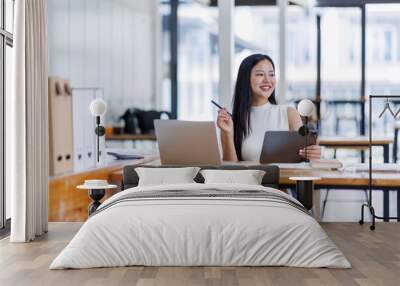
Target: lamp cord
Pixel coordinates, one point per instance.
(306, 133)
(97, 137)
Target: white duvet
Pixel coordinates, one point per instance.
(200, 231)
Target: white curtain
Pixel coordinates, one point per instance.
(28, 123)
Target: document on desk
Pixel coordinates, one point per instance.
(297, 166)
(322, 164)
(378, 167)
(326, 164)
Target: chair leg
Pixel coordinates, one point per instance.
(357, 125)
(337, 125)
(292, 192)
(396, 132)
(366, 195)
(324, 203)
(366, 200)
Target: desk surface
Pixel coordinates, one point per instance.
(353, 141)
(323, 140)
(343, 178)
(133, 137)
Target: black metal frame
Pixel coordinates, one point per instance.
(351, 3)
(369, 204)
(174, 57)
(5, 231)
(99, 131)
(318, 83)
(214, 3)
(363, 70)
(96, 195)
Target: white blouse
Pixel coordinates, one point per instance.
(267, 117)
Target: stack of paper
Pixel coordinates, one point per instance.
(330, 164)
(375, 167)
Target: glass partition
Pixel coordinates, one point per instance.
(341, 71)
(197, 60)
(256, 31)
(301, 54)
(383, 62)
(9, 15)
(165, 98)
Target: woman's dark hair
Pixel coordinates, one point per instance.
(242, 100)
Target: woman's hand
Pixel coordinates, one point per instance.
(225, 122)
(313, 152)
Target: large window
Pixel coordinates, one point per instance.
(342, 66)
(341, 70)
(256, 31)
(165, 99)
(261, 35)
(197, 60)
(301, 54)
(383, 61)
(6, 42)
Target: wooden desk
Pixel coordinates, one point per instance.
(66, 203)
(357, 142)
(132, 137)
(347, 179)
(384, 181)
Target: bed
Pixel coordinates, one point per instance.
(197, 224)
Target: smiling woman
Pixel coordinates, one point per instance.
(255, 111)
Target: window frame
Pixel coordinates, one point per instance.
(6, 39)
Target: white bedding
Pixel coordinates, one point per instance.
(200, 231)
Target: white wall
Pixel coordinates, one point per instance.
(109, 44)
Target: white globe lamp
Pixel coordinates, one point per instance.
(305, 109)
(98, 107)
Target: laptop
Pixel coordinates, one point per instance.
(284, 146)
(187, 142)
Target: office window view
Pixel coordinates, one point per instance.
(6, 43)
(256, 30)
(198, 59)
(261, 35)
(383, 58)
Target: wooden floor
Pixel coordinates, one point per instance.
(375, 257)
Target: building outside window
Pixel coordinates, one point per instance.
(383, 60)
(257, 31)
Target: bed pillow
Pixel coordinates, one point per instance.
(248, 177)
(162, 176)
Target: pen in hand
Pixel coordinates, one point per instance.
(219, 106)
